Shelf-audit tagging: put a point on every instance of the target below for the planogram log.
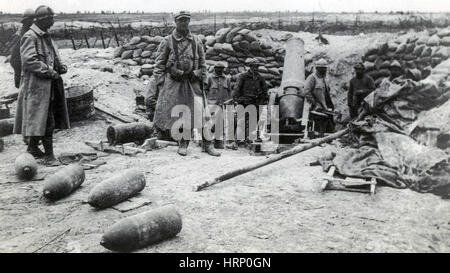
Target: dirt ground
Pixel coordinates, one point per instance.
(278, 208)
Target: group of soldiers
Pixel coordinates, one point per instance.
(179, 78)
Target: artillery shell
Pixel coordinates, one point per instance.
(25, 166)
(6, 127)
(2, 145)
(64, 181)
(143, 229)
(131, 132)
(117, 189)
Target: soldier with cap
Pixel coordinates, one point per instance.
(15, 61)
(181, 63)
(360, 86)
(218, 92)
(250, 89)
(41, 104)
(317, 92)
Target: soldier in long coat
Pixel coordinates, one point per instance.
(181, 62)
(41, 104)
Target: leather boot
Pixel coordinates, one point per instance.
(219, 144)
(183, 145)
(33, 149)
(208, 147)
(49, 157)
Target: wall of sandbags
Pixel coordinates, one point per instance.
(422, 51)
(139, 50)
(233, 46)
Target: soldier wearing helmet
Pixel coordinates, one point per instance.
(16, 63)
(41, 104)
(317, 92)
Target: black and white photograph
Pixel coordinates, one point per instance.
(230, 127)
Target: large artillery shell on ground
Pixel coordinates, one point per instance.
(117, 189)
(2, 145)
(131, 132)
(6, 127)
(143, 229)
(25, 166)
(64, 181)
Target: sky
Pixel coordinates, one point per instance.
(18, 6)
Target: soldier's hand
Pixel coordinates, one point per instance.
(63, 69)
(53, 75)
(176, 72)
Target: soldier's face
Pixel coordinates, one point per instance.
(47, 23)
(321, 70)
(359, 71)
(218, 70)
(183, 23)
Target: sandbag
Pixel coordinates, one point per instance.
(223, 47)
(426, 52)
(400, 49)
(210, 40)
(418, 50)
(255, 46)
(368, 66)
(433, 41)
(232, 34)
(382, 73)
(146, 54)
(129, 47)
(142, 45)
(385, 65)
(372, 50)
(409, 57)
(445, 41)
(383, 48)
(392, 46)
(221, 34)
(250, 37)
(232, 60)
(127, 54)
(137, 53)
(118, 51)
(244, 44)
(422, 40)
(244, 31)
(409, 48)
(412, 39)
(150, 47)
(444, 32)
(238, 38)
(135, 40)
(371, 58)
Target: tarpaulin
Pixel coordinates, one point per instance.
(389, 146)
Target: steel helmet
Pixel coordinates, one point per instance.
(43, 12)
(28, 14)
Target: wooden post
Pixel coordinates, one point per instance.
(103, 39)
(87, 41)
(73, 43)
(297, 149)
